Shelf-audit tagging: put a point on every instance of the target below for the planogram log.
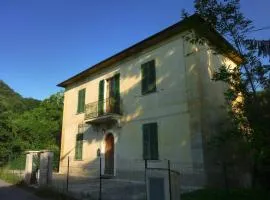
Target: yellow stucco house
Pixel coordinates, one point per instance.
(154, 100)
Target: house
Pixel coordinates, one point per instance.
(152, 101)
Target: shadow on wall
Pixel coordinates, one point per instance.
(138, 107)
(171, 74)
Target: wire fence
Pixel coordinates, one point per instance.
(12, 169)
(129, 179)
(126, 179)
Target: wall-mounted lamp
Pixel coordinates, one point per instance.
(98, 152)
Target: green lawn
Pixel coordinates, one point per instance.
(237, 194)
(8, 176)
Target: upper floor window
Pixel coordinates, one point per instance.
(148, 77)
(81, 101)
(150, 141)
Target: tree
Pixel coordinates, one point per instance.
(11, 103)
(249, 117)
(26, 123)
(40, 127)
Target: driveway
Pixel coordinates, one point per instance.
(10, 192)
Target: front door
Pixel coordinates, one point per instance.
(109, 154)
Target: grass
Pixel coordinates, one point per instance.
(17, 163)
(45, 192)
(8, 176)
(235, 194)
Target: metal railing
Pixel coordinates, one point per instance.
(111, 105)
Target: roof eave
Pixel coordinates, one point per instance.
(187, 24)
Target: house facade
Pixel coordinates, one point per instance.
(153, 101)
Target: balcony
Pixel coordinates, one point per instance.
(103, 111)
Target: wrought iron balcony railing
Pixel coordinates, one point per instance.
(108, 106)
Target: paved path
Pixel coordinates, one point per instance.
(10, 192)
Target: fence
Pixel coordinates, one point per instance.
(128, 181)
(128, 178)
(12, 169)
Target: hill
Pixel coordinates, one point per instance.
(12, 104)
(12, 101)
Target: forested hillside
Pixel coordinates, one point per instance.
(27, 123)
(12, 101)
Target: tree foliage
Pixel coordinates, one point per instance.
(26, 123)
(248, 94)
(11, 103)
(40, 127)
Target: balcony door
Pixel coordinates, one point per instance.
(113, 95)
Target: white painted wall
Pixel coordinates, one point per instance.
(185, 96)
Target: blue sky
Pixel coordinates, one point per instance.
(45, 42)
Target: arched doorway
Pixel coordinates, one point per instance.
(109, 154)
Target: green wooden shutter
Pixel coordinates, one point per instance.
(81, 101)
(150, 141)
(148, 71)
(146, 142)
(79, 146)
(144, 78)
(154, 141)
(101, 98)
(152, 76)
(117, 85)
(117, 93)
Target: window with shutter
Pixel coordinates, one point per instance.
(79, 146)
(81, 101)
(101, 98)
(150, 141)
(148, 71)
(117, 85)
(117, 93)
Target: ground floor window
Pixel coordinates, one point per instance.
(79, 146)
(150, 141)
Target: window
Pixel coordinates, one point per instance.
(101, 97)
(113, 94)
(79, 146)
(150, 141)
(81, 101)
(109, 101)
(148, 77)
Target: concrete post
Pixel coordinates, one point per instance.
(46, 168)
(28, 168)
(28, 173)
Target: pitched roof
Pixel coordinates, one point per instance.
(194, 22)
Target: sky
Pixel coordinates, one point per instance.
(44, 42)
